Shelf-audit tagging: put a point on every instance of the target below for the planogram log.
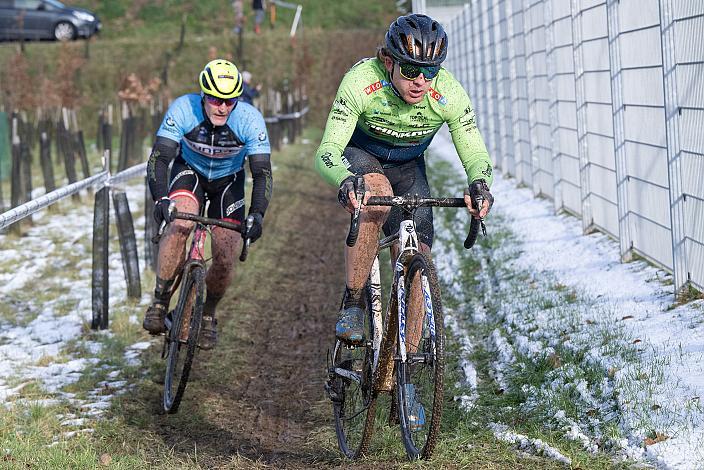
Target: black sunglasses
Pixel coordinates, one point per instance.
(411, 71)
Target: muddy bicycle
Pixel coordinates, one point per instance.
(183, 323)
(403, 358)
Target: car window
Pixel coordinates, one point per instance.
(28, 4)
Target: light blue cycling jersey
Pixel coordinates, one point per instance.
(212, 151)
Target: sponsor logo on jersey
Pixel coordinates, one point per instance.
(213, 151)
(437, 96)
(262, 136)
(170, 121)
(399, 135)
(376, 86)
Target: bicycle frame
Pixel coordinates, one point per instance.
(408, 246)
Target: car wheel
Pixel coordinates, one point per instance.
(64, 31)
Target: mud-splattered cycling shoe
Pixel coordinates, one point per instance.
(208, 333)
(350, 326)
(154, 319)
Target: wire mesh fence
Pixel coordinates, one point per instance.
(598, 106)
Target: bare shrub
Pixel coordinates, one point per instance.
(20, 92)
(66, 79)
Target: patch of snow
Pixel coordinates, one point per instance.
(528, 445)
(660, 389)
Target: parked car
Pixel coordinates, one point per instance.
(45, 19)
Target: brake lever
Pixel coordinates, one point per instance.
(164, 223)
(354, 221)
(478, 203)
(249, 223)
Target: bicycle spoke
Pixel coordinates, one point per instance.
(419, 378)
(349, 386)
(183, 337)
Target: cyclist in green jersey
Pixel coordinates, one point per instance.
(385, 114)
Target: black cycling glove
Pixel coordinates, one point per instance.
(351, 184)
(478, 189)
(255, 231)
(161, 210)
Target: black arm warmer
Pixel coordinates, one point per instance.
(163, 152)
(260, 166)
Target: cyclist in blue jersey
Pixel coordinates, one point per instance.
(200, 150)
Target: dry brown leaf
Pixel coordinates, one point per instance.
(627, 317)
(659, 437)
(105, 460)
(636, 341)
(554, 361)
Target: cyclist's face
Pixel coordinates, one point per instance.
(218, 114)
(411, 91)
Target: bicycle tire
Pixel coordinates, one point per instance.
(355, 407)
(181, 352)
(424, 369)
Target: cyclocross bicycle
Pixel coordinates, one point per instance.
(401, 357)
(184, 321)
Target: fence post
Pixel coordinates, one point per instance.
(79, 145)
(580, 95)
(69, 160)
(45, 156)
(683, 273)
(151, 250)
(101, 274)
(16, 171)
(107, 132)
(618, 109)
(99, 133)
(128, 244)
(125, 137)
(26, 165)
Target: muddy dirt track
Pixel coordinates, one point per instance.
(259, 397)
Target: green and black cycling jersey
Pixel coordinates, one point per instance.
(368, 113)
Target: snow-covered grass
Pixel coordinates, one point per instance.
(57, 377)
(571, 343)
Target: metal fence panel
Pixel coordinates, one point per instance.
(539, 99)
(519, 93)
(504, 88)
(563, 116)
(600, 105)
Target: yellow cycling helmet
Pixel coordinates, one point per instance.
(221, 78)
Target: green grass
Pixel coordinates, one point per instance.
(122, 18)
(551, 366)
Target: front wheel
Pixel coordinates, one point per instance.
(64, 31)
(350, 386)
(183, 336)
(419, 378)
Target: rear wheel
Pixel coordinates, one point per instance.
(183, 337)
(351, 390)
(419, 379)
(64, 31)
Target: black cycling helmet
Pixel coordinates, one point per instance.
(417, 39)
